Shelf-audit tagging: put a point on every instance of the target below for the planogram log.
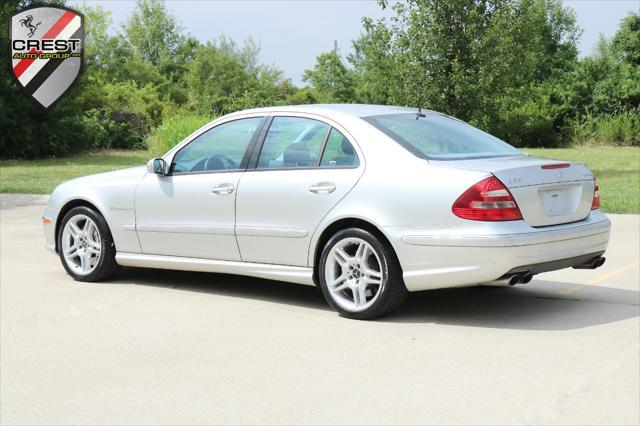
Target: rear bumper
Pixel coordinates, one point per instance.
(438, 260)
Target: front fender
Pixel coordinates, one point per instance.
(111, 194)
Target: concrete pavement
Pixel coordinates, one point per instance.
(162, 347)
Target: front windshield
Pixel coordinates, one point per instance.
(437, 136)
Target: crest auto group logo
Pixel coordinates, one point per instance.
(47, 49)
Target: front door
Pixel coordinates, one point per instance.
(304, 169)
(191, 211)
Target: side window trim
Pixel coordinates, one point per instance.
(324, 145)
(261, 137)
(248, 154)
(245, 157)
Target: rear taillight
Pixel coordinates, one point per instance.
(487, 200)
(595, 204)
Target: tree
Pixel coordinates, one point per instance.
(224, 77)
(619, 87)
(474, 59)
(153, 31)
(331, 79)
(626, 42)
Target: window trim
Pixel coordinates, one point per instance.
(255, 156)
(245, 157)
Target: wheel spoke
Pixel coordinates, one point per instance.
(339, 284)
(356, 296)
(94, 245)
(87, 226)
(92, 250)
(360, 251)
(84, 262)
(72, 251)
(359, 295)
(337, 280)
(371, 276)
(91, 231)
(74, 230)
(341, 256)
(362, 291)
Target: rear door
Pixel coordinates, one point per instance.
(303, 169)
(548, 192)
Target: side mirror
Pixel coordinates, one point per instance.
(157, 166)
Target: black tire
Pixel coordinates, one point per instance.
(393, 292)
(106, 265)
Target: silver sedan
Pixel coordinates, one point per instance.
(367, 202)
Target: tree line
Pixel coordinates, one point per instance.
(510, 67)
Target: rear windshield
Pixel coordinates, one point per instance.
(438, 136)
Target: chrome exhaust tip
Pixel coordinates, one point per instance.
(526, 278)
(512, 279)
(594, 263)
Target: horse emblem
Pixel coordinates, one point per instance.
(28, 22)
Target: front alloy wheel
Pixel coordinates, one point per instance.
(85, 245)
(81, 245)
(360, 276)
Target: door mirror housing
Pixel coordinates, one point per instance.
(157, 166)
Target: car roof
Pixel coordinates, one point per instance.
(355, 110)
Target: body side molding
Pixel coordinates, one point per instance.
(293, 274)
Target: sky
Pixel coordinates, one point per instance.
(292, 33)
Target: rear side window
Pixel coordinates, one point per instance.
(338, 152)
(292, 142)
(438, 136)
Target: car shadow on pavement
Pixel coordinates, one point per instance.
(540, 305)
(225, 285)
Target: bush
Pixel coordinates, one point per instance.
(173, 130)
(621, 128)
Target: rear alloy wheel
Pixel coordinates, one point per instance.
(360, 276)
(85, 245)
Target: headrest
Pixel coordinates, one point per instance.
(346, 147)
(297, 155)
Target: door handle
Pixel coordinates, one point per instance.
(223, 189)
(323, 188)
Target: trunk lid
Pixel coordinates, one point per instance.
(560, 192)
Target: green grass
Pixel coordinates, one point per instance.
(617, 170)
(41, 176)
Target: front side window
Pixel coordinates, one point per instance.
(437, 136)
(220, 148)
(292, 142)
(338, 152)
